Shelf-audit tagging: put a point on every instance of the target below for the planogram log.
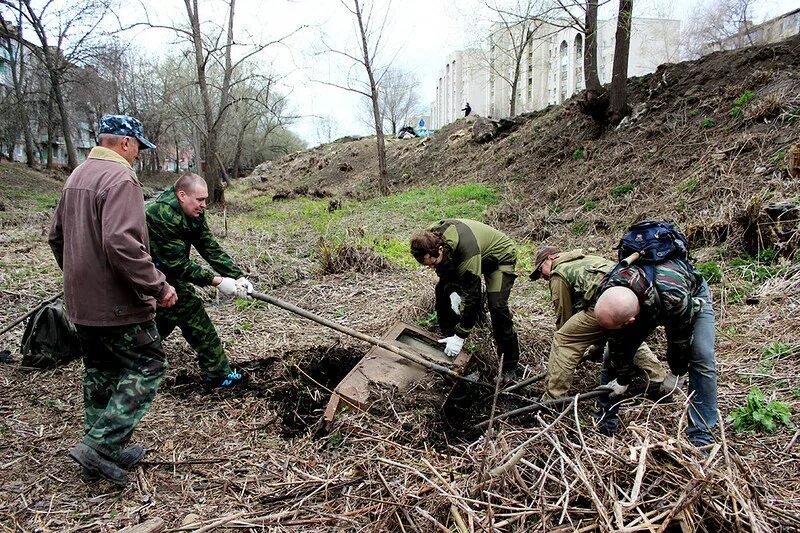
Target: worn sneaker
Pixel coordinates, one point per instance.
(95, 463)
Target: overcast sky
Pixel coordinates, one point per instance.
(419, 35)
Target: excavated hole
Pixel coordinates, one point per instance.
(305, 390)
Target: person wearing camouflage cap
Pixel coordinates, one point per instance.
(573, 278)
(176, 221)
(111, 290)
(462, 251)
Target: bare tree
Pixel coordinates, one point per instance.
(212, 50)
(325, 128)
(719, 25)
(15, 105)
(398, 97)
(619, 71)
(66, 34)
(369, 33)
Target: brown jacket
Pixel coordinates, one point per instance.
(99, 239)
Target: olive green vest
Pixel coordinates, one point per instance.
(582, 273)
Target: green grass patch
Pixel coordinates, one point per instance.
(383, 224)
(46, 200)
(622, 190)
(589, 205)
(706, 123)
(772, 353)
(693, 113)
(740, 103)
(578, 154)
(758, 415)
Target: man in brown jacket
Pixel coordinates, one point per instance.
(111, 290)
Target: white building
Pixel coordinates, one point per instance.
(772, 31)
(462, 80)
(551, 69)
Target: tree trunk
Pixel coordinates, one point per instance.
(213, 124)
(50, 130)
(383, 174)
(619, 73)
(590, 75)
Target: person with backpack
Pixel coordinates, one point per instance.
(176, 221)
(573, 278)
(111, 290)
(462, 251)
(660, 288)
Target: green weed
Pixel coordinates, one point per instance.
(622, 190)
(430, 321)
(589, 205)
(710, 270)
(578, 154)
(759, 416)
(681, 206)
(579, 227)
(758, 268)
(740, 102)
(772, 353)
(706, 123)
(689, 186)
(693, 113)
(513, 138)
(779, 158)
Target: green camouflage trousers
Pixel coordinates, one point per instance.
(195, 325)
(123, 366)
(570, 342)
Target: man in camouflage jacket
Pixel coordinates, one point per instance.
(574, 278)
(630, 306)
(176, 221)
(462, 251)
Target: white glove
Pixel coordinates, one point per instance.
(243, 287)
(616, 390)
(455, 303)
(227, 286)
(453, 345)
(672, 383)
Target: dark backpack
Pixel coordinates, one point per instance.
(654, 241)
(50, 338)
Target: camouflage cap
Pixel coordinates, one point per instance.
(124, 125)
(541, 257)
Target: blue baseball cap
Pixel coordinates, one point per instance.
(124, 125)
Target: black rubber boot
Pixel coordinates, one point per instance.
(98, 465)
(128, 458)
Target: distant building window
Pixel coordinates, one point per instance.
(578, 62)
(564, 63)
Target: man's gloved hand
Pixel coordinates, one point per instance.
(616, 390)
(243, 288)
(227, 286)
(455, 303)
(672, 383)
(453, 345)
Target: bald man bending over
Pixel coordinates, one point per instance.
(630, 307)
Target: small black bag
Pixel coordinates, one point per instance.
(50, 339)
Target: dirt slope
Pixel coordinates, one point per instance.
(707, 141)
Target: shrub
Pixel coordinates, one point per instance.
(758, 415)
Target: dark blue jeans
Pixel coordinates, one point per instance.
(702, 379)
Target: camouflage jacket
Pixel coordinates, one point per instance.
(172, 234)
(670, 301)
(472, 249)
(574, 278)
